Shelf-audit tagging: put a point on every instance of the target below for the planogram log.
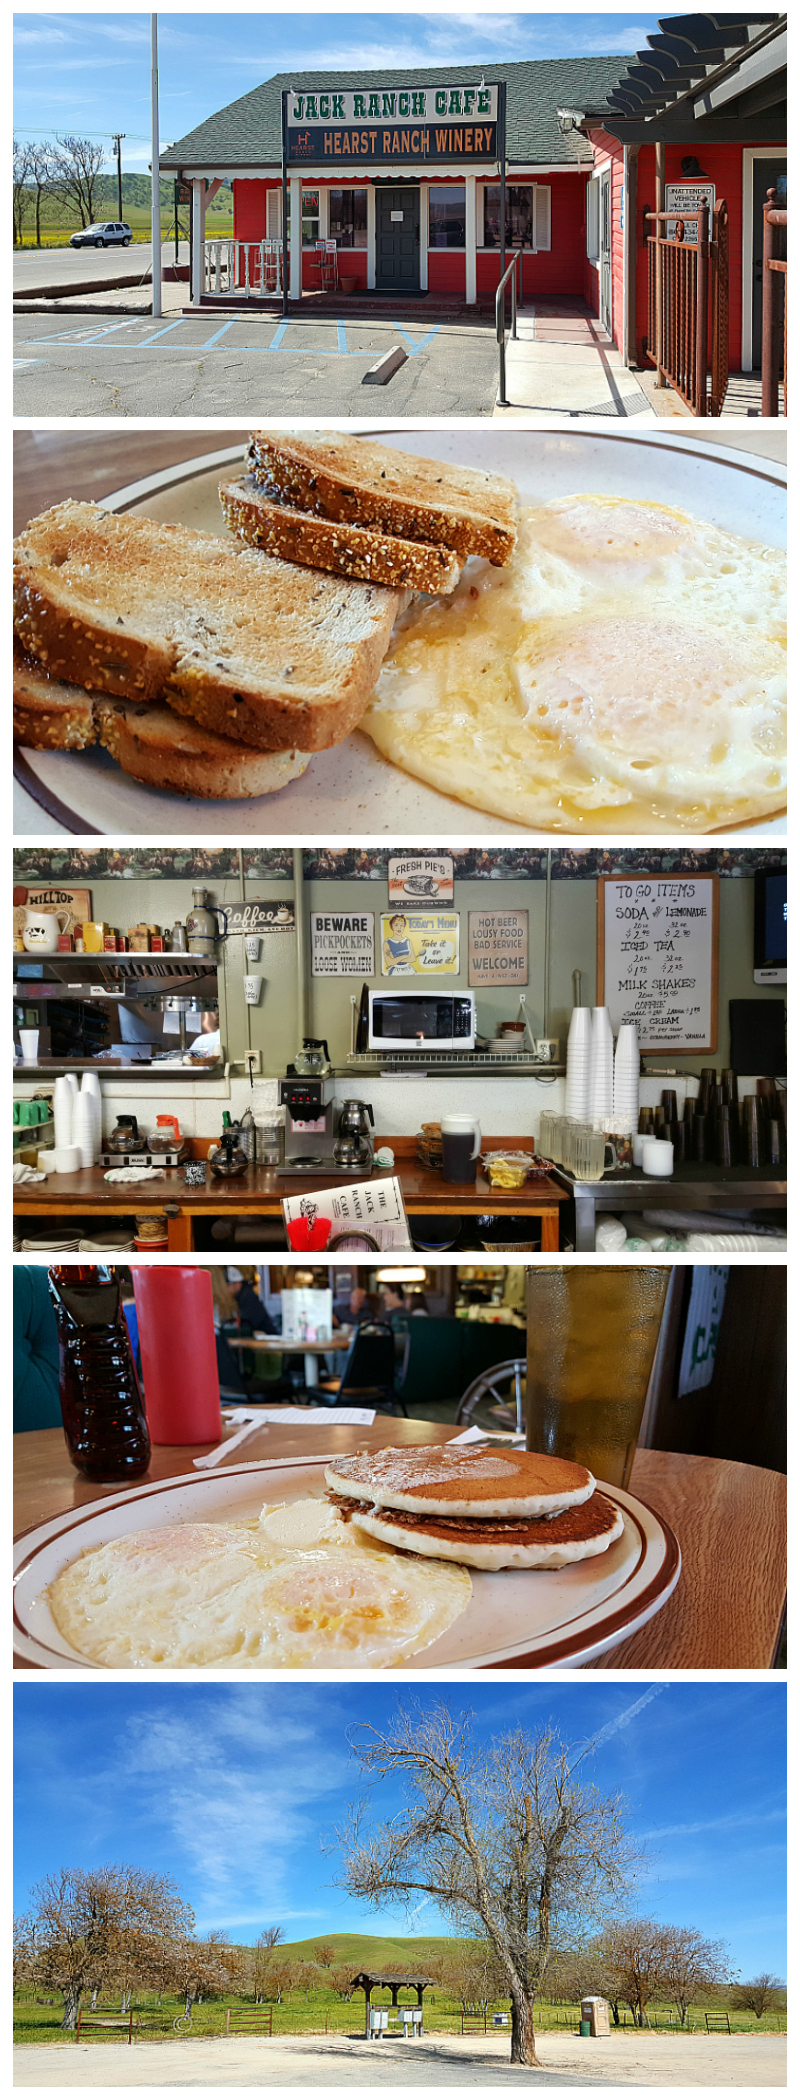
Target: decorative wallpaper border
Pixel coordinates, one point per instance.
(364, 864)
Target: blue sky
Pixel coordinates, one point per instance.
(86, 74)
(232, 1788)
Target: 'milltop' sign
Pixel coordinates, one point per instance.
(392, 124)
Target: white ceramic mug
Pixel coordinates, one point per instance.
(656, 1155)
(41, 930)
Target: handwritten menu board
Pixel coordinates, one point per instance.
(498, 947)
(658, 958)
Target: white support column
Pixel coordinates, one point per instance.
(471, 243)
(424, 235)
(295, 237)
(324, 216)
(371, 237)
(198, 240)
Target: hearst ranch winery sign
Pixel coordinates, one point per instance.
(392, 124)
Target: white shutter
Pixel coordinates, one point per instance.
(541, 206)
(593, 218)
(273, 215)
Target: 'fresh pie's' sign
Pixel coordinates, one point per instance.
(363, 125)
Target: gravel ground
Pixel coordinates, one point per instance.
(441, 2060)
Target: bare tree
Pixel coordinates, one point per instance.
(636, 1949)
(282, 1976)
(41, 176)
(22, 189)
(325, 1954)
(692, 1967)
(763, 1994)
(340, 1979)
(76, 166)
(98, 1929)
(510, 1840)
(472, 1975)
(23, 1951)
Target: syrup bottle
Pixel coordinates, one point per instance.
(102, 1409)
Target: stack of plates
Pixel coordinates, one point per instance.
(579, 1064)
(601, 1090)
(626, 1078)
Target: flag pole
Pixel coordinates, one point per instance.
(155, 191)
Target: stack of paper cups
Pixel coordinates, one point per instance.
(62, 1111)
(90, 1085)
(83, 1126)
(601, 1091)
(579, 1064)
(626, 1078)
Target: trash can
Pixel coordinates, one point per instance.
(595, 2016)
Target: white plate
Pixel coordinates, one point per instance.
(563, 1616)
(352, 790)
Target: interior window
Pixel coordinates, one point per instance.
(447, 209)
(310, 217)
(519, 215)
(348, 218)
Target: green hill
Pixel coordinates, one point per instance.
(372, 1949)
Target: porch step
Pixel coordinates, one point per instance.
(319, 306)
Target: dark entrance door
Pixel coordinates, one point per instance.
(767, 175)
(397, 240)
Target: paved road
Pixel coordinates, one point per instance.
(35, 266)
(239, 365)
(339, 2060)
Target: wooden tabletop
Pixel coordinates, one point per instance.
(278, 1345)
(50, 465)
(730, 1521)
(263, 1189)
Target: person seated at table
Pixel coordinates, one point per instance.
(353, 1311)
(249, 1308)
(36, 1398)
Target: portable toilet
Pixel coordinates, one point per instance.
(595, 2011)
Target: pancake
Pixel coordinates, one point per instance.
(572, 1534)
(462, 1482)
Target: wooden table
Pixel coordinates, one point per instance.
(261, 1191)
(50, 465)
(730, 1520)
(277, 1345)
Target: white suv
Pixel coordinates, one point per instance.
(112, 232)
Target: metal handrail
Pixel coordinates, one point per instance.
(500, 319)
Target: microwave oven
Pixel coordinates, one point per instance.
(431, 1019)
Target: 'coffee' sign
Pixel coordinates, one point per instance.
(392, 124)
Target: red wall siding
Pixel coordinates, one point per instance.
(447, 271)
(722, 165)
(249, 211)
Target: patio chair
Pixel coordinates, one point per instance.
(499, 1392)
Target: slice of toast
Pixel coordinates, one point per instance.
(372, 485)
(264, 652)
(257, 515)
(148, 741)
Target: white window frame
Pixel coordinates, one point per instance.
(536, 247)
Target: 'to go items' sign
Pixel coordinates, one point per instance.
(658, 958)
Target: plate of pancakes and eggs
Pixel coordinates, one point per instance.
(448, 1558)
(567, 631)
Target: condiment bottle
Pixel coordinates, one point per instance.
(102, 1409)
(179, 1353)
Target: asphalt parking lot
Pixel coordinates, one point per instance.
(218, 364)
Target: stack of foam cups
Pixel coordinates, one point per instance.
(90, 1086)
(626, 1078)
(83, 1127)
(601, 1089)
(63, 1099)
(579, 1064)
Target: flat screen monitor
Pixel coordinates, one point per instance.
(769, 930)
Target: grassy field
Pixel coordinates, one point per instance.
(59, 221)
(316, 2009)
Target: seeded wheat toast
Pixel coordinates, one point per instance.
(372, 485)
(148, 741)
(258, 516)
(272, 655)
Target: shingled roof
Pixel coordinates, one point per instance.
(247, 133)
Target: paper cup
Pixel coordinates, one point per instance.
(29, 1042)
(252, 990)
(252, 946)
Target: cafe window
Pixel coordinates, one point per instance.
(348, 218)
(527, 215)
(310, 217)
(447, 212)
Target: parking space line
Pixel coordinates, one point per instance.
(213, 338)
(414, 347)
(277, 338)
(161, 331)
(341, 338)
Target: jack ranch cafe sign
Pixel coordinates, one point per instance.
(392, 124)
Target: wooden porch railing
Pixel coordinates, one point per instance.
(687, 284)
(774, 269)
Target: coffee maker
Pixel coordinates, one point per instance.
(314, 1125)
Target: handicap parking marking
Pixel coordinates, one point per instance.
(96, 338)
(413, 345)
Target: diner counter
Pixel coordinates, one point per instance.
(729, 1519)
(262, 1190)
(692, 1185)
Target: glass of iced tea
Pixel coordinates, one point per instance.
(592, 1335)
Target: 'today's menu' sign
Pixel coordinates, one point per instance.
(365, 125)
(658, 958)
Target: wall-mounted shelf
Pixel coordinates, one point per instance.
(468, 1063)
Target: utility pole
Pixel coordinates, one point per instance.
(155, 173)
(116, 140)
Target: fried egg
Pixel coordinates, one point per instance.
(626, 668)
(298, 1590)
